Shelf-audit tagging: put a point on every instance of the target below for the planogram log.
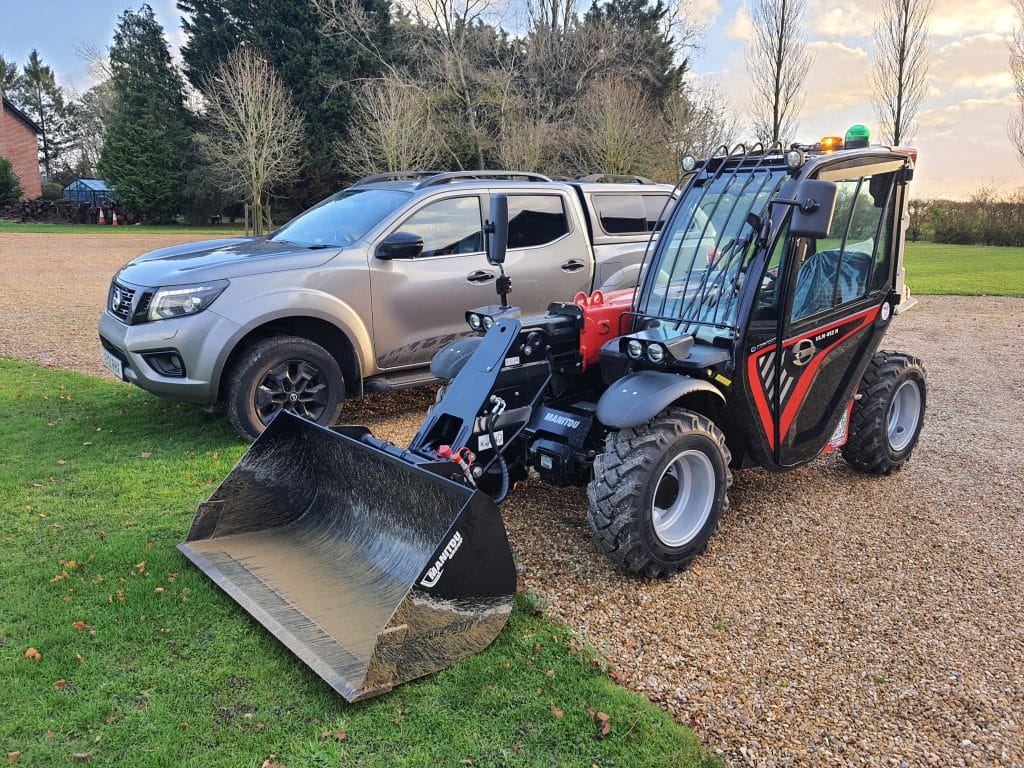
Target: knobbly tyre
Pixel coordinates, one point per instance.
(751, 341)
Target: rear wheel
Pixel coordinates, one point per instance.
(658, 492)
(283, 373)
(886, 421)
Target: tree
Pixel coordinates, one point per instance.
(319, 73)
(618, 130)
(10, 184)
(777, 63)
(43, 100)
(148, 134)
(392, 129)
(1015, 128)
(10, 77)
(255, 132)
(900, 66)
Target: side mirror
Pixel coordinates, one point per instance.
(496, 230)
(399, 245)
(814, 205)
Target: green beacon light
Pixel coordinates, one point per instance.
(857, 137)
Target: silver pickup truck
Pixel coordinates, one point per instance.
(358, 293)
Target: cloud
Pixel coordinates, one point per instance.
(832, 19)
(838, 79)
(956, 18)
(977, 63)
(704, 12)
(740, 27)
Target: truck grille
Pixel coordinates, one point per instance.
(120, 301)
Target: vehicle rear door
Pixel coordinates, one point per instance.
(549, 257)
(832, 317)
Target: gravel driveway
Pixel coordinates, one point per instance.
(835, 620)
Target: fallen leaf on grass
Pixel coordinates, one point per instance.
(465, 762)
(79, 626)
(145, 455)
(80, 658)
(37, 485)
(111, 719)
(33, 655)
(141, 566)
(82, 757)
(60, 684)
(12, 756)
(87, 442)
(556, 711)
(604, 722)
(62, 462)
(59, 577)
(269, 763)
(336, 735)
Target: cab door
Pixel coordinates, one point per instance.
(835, 300)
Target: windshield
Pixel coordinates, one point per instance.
(698, 270)
(341, 219)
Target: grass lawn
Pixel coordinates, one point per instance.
(144, 662)
(225, 230)
(966, 270)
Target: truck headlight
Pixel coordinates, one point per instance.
(475, 322)
(655, 353)
(182, 300)
(635, 349)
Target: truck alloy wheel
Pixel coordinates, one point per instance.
(658, 492)
(886, 420)
(283, 373)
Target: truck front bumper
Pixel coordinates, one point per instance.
(197, 340)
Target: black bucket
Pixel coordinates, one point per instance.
(372, 570)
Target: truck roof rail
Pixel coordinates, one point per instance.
(395, 176)
(450, 176)
(613, 177)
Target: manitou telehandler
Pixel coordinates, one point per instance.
(750, 341)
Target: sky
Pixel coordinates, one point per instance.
(962, 125)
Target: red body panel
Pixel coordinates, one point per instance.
(602, 321)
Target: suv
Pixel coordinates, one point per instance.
(359, 292)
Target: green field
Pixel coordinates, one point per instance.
(144, 662)
(966, 270)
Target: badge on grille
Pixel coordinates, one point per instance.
(115, 300)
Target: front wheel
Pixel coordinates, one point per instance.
(658, 492)
(283, 373)
(886, 420)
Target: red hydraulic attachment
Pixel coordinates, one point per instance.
(602, 321)
(463, 457)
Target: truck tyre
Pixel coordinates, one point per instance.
(886, 421)
(658, 492)
(283, 373)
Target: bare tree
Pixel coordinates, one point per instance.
(697, 120)
(255, 131)
(777, 62)
(900, 66)
(526, 143)
(618, 131)
(391, 129)
(1015, 128)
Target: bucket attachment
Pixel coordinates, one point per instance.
(371, 568)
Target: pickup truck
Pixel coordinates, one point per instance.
(356, 294)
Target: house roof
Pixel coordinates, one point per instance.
(8, 107)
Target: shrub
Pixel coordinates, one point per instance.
(988, 218)
(53, 191)
(10, 184)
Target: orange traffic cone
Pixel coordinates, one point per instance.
(113, 218)
(102, 219)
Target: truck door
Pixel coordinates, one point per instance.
(831, 300)
(419, 304)
(549, 257)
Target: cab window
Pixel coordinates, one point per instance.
(447, 227)
(535, 220)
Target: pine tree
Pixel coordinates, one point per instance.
(10, 185)
(148, 135)
(10, 77)
(43, 100)
(320, 73)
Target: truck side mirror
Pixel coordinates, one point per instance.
(496, 230)
(399, 245)
(814, 205)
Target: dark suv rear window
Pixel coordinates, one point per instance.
(535, 220)
(629, 214)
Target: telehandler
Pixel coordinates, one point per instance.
(750, 341)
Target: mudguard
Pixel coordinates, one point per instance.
(638, 397)
(447, 363)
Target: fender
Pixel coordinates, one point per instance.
(447, 363)
(638, 397)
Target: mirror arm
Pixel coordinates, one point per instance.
(807, 205)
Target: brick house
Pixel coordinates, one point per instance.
(18, 146)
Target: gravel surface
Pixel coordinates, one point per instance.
(835, 620)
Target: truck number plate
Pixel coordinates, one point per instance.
(113, 364)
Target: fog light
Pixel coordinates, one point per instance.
(689, 163)
(635, 349)
(656, 353)
(794, 158)
(488, 322)
(475, 322)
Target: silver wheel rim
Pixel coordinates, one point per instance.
(683, 498)
(904, 415)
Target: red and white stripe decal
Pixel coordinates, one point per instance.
(761, 367)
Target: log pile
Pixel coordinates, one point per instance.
(39, 210)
